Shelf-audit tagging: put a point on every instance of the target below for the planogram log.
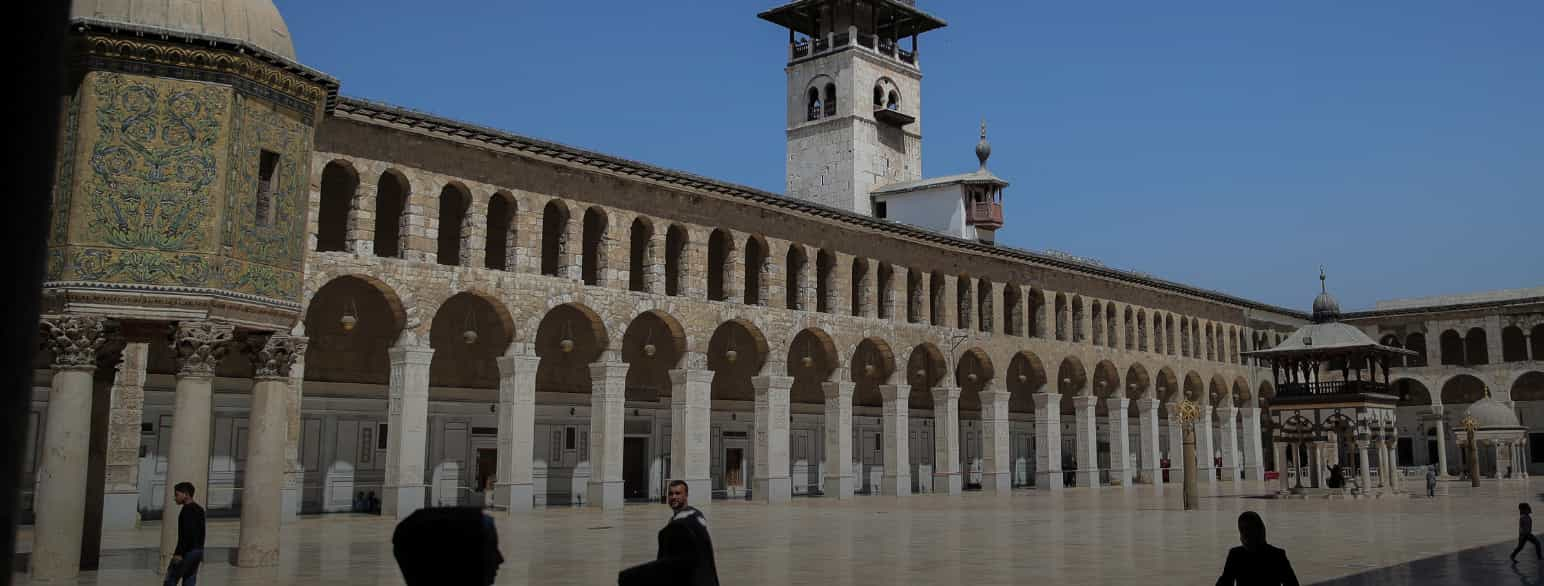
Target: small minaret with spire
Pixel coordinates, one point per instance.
(968, 205)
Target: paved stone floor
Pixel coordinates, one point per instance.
(1077, 537)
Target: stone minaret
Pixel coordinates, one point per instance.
(854, 97)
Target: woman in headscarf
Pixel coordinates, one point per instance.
(1256, 563)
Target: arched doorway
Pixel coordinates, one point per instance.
(817, 468)
(570, 339)
(737, 352)
(468, 333)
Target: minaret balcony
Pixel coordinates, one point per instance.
(984, 214)
(817, 46)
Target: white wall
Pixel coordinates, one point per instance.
(939, 209)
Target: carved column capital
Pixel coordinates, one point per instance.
(74, 340)
(200, 345)
(273, 355)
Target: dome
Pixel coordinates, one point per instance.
(253, 22)
(1325, 307)
(1489, 413)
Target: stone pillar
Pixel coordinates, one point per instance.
(1048, 471)
(1192, 496)
(199, 347)
(294, 468)
(608, 380)
(946, 440)
(262, 503)
(772, 413)
(897, 448)
(1205, 446)
(1366, 465)
(407, 428)
(690, 426)
(1121, 466)
(121, 494)
(1176, 442)
(1152, 456)
(1442, 467)
(1279, 450)
(515, 487)
(996, 463)
(654, 262)
(1228, 416)
(1254, 453)
(838, 425)
(60, 500)
(1088, 441)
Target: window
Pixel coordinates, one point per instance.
(568, 441)
(815, 106)
(830, 99)
(267, 166)
(881, 210)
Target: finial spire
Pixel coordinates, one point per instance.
(983, 148)
(1322, 287)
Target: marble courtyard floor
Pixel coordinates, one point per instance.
(1081, 536)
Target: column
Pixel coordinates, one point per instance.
(262, 484)
(199, 347)
(1279, 450)
(407, 430)
(515, 487)
(60, 501)
(1048, 472)
(838, 425)
(120, 509)
(294, 468)
(1088, 441)
(690, 425)
(897, 414)
(1366, 467)
(1205, 445)
(771, 461)
(1176, 443)
(1228, 416)
(654, 262)
(1442, 466)
(996, 464)
(1121, 466)
(946, 440)
(1254, 453)
(1147, 418)
(608, 380)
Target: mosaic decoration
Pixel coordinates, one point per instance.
(279, 243)
(153, 162)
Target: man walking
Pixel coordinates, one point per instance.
(1431, 482)
(685, 549)
(190, 538)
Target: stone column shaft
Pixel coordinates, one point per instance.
(60, 500)
(1048, 470)
(407, 430)
(838, 424)
(262, 501)
(607, 412)
(1176, 443)
(771, 462)
(1229, 418)
(897, 414)
(515, 487)
(1366, 465)
(121, 493)
(946, 440)
(200, 346)
(1147, 418)
(690, 428)
(1205, 446)
(1088, 441)
(996, 464)
(1121, 466)
(1442, 466)
(1254, 454)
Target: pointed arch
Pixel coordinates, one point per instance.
(756, 254)
(676, 241)
(338, 198)
(454, 203)
(502, 245)
(597, 225)
(392, 191)
(640, 255)
(554, 238)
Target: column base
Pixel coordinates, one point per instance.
(401, 501)
(1229, 474)
(895, 485)
(1119, 478)
(515, 497)
(840, 487)
(947, 483)
(1088, 478)
(700, 491)
(772, 490)
(120, 510)
(606, 495)
(997, 482)
(1053, 480)
(289, 505)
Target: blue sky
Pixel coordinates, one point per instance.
(1229, 145)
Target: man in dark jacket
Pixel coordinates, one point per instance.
(190, 538)
(685, 550)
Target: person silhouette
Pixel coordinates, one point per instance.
(1525, 532)
(1256, 562)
